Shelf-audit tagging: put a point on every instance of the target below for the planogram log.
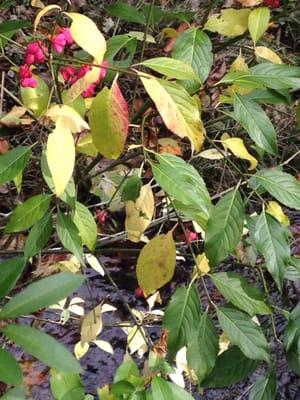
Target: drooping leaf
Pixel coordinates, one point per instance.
(86, 225)
(231, 22)
(36, 99)
(139, 214)
(28, 213)
(10, 271)
(182, 318)
(13, 162)
(41, 294)
(82, 30)
(258, 22)
(281, 185)
(69, 236)
(131, 189)
(109, 121)
(172, 68)
(60, 156)
(238, 148)
(262, 52)
(202, 350)
(182, 182)
(231, 366)
(253, 118)
(91, 326)
(10, 372)
(43, 347)
(156, 263)
(276, 211)
(38, 236)
(66, 386)
(239, 292)
(194, 48)
(224, 227)
(43, 12)
(264, 388)
(271, 240)
(164, 390)
(244, 333)
(179, 111)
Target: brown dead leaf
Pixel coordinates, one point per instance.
(33, 373)
(168, 145)
(169, 46)
(13, 118)
(4, 146)
(249, 3)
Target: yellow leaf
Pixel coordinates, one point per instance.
(37, 4)
(239, 64)
(13, 118)
(70, 118)
(267, 54)
(179, 111)
(237, 147)
(250, 3)
(82, 84)
(139, 214)
(80, 349)
(85, 145)
(91, 326)
(211, 154)
(276, 211)
(224, 343)
(43, 12)
(60, 156)
(140, 36)
(156, 263)
(86, 34)
(170, 33)
(202, 264)
(104, 345)
(136, 340)
(231, 22)
(258, 22)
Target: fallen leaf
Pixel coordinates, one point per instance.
(13, 118)
(169, 145)
(4, 146)
(231, 22)
(237, 147)
(211, 154)
(37, 4)
(249, 3)
(80, 349)
(139, 214)
(262, 52)
(156, 263)
(276, 211)
(104, 345)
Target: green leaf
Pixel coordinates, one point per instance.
(273, 76)
(193, 47)
(131, 189)
(28, 213)
(202, 350)
(183, 183)
(182, 318)
(17, 393)
(66, 386)
(232, 366)
(292, 330)
(126, 371)
(224, 227)
(13, 162)
(109, 121)
(264, 388)
(244, 333)
(293, 355)
(69, 235)
(281, 185)
(41, 294)
(122, 388)
(38, 236)
(239, 292)
(122, 10)
(86, 225)
(10, 372)
(171, 68)
(36, 99)
(268, 96)
(258, 22)
(292, 271)
(69, 195)
(10, 271)
(256, 122)
(163, 390)
(9, 28)
(271, 240)
(43, 347)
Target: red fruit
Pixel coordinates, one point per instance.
(272, 3)
(139, 293)
(102, 216)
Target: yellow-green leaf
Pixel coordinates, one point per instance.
(109, 121)
(69, 117)
(86, 34)
(262, 52)
(36, 99)
(231, 22)
(237, 147)
(276, 211)
(179, 111)
(202, 264)
(91, 326)
(258, 22)
(85, 145)
(60, 156)
(156, 263)
(139, 214)
(239, 64)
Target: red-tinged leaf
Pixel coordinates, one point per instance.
(109, 121)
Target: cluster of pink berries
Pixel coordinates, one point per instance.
(36, 53)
